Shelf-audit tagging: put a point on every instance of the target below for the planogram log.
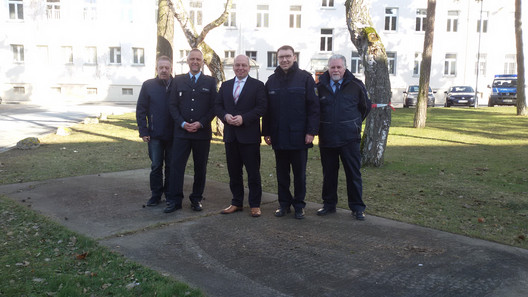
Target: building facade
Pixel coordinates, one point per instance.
(94, 50)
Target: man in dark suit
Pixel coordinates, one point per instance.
(240, 103)
(192, 108)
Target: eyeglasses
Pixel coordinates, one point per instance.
(287, 57)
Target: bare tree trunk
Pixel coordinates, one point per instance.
(370, 48)
(165, 30)
(420, 115)
(195, 40)
(521, 87)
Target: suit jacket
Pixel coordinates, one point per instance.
(192, 103)
(251, 105)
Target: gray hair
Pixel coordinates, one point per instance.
(338, 57)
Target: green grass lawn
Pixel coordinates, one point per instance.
(465, 173)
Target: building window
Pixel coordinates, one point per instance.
(231, 17)
(452, 21)
(42, 54)
(356, 63)
(16, 9)
(262, 16)
(139, 56)
(450, 65)
(326, 40)
(295, 16)
(510, 64)
(19, 90)
(483, 23)
(417, 64)
(327, 3)
(90, 10)
(90, 55)
(421, 14)
(272, 59)
(67, 54)
(127, 91)
(18, 53)
(252, 55)
(480, 65)
(195, 12)
(184, 54)
(229, 54)
(115, 55)
(391, 62)
(391, 18)
(91, 91)
(53, 9)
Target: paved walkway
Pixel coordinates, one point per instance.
(237, 255)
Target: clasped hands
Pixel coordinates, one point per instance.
(192, 127)
(234, 120)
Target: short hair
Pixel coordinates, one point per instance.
(338, 57)
(163, 58)
(194, 50)
(286, 48)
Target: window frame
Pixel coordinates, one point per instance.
(391, 19)
(138, 56)
(421, 16)
(295, 16)
(231, 17)
(356, 63)
(18, 53)
(272, 61)
(53, 9)
(326, 43)
(452, 21)
(16, 10)
(114, 54)
(450, 64)
(262, 16)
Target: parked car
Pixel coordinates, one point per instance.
(410, 96)
(460, 96)
(503, 90)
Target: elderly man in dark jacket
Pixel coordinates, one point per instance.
(289, 126)
(156, 126)
(192, 108)
(344, 105)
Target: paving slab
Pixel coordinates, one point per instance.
(237, 255)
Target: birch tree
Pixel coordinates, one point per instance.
(521, 87)
(371, 49)
(165, 26)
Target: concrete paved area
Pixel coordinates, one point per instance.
(237, 255)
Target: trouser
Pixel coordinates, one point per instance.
(160, 152)
(351, 158)
(296, 160)
(237, 156)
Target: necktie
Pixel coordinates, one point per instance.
(236, 93)
(193, 79)
(336, 85)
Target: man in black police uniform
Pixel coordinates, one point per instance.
(192, 108)
(289, 126)
(344, 105)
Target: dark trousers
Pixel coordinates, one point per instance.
(351, 158)
(237, 156)
(160, 152)
(296, 159)
(180, 154)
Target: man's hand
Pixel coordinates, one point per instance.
(192, 127)
(308, 139)
(146, 138)
(234, 120)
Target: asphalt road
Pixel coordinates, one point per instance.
(18, 121)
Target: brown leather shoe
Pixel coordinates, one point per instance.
(255, 212)
(231, 209)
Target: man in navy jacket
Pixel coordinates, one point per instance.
(156, 126)
(192, 108)
(289, 126)
(344, 105)
(240, 103)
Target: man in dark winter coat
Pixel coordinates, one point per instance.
(192, 108)
(156, 126)
(289, 126)
(344, 105)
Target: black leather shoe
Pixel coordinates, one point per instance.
(282, 211)
(197, 206)
(171, 207)
(299, 213)
(359, 215)
(326, 210)
(153, 201)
